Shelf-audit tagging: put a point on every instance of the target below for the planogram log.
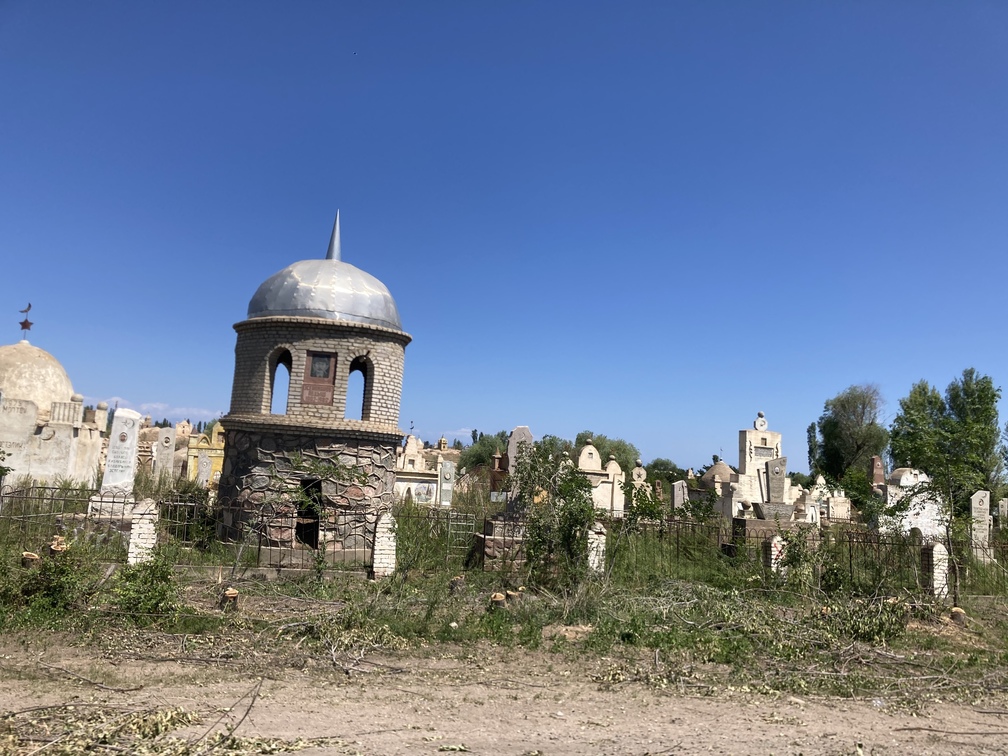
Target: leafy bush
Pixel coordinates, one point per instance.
(58, 585)
(147, 591)
(556, 497)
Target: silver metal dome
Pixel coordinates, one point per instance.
(328, 288)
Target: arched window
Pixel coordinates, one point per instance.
(358, 399)
(280, 374)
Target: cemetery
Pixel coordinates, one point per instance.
(325, 479)
(326, 496)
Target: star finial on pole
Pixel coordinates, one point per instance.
(25, 324)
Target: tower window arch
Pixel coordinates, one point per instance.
(279, 388)
(359, 384)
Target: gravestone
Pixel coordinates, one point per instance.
(121, 460)
(17, 424)
(934, 569)
(680, 495)
(515, 437)
(639, 476)
(1003, 514)
(877, 471)
(776, 475)
(383, 556)
(164, 453)
(980, 532)
(447, 482)
(203, 468)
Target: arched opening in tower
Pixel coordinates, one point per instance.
(280, 383)
(358, 405)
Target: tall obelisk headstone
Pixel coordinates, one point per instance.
(116, 495)
(980, 532)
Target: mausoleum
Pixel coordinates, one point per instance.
(45, 431)
(761, 489)
(425, 476)
(331, 333)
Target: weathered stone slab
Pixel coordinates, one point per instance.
(776, 475)
(680, 495)
(204, 467)
(17, 424)
(164, 453)
(121, 461)
(515, 438)
(447, 483)
(980, 531)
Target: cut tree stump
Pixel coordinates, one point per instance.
(229, 600)
(30, 559)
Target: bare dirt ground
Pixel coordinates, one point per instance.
(476, 700)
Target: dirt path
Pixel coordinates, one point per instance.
(491, 702)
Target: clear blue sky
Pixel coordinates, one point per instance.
(647, 219)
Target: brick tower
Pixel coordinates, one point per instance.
(315, 324)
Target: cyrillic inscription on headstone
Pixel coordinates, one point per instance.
(121, 461)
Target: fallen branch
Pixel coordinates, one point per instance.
(89, 681)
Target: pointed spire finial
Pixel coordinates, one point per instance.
(334, 252)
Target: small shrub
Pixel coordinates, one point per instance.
(146, 592)
(57, 588)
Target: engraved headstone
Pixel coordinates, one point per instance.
(776, 474)
(164, 453)
(121, 460)
(17, 425)
(1003, 514)
(980, 513)
(203, 468)
(639, 475)
(447, 482)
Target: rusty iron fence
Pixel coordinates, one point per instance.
(842, 557)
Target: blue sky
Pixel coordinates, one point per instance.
(648, 219)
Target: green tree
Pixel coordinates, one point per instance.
(956, 440)
(556, 499)
(913, 436)
(481, 451)
(848, 432)
(665, 470)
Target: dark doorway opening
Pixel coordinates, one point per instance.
(306, 530)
